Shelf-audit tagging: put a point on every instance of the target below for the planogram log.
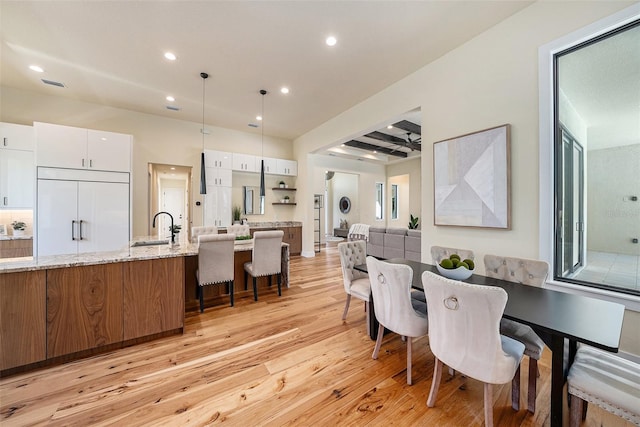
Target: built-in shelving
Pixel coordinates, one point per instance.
(288, 204)
(284, 189)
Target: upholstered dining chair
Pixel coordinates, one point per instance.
(215, 263)
(463, 334)
(356, 282)
(239, 229)
(393, 306)
(528, 272)
(266, 259)
(197, 231)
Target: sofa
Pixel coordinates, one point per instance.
(394, 243)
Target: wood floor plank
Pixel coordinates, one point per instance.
(281, 361)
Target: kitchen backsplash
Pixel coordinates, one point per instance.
(8, 216)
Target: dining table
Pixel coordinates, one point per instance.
(557, 317)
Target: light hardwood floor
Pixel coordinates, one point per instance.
(277, 362)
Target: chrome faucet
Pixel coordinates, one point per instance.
(173, 236)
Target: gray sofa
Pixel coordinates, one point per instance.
(394, 243)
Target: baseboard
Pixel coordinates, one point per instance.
(629, 356)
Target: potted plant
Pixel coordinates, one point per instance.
(286, 199)
(176, 229)
(18, 228)
(282, 184)
(237, 213)
(413, 222)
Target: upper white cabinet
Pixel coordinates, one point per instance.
(78, 148)
(17, 170)
(109, 151)
(270, 165)
(218, 159)
(244, 163)
(218, 177)
(16, 137)
(287, 167)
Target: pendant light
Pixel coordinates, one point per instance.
(203, 177)
(262, 189)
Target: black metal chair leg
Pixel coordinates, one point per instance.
(231, 292)
(280, 284)
(245, 279)
(201, 299)
(255, 290)
(269, 278)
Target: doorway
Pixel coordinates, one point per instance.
(169, 191)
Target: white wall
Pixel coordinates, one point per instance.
(411, 192)
(156, 140)
(489, 81)
(343, 185)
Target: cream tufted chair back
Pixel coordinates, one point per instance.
(394, 308)
(438, 253)
(519, 270)
(463, 334)
(528, 272)
(215, 263)
(238, 230)
(198, 231)
(356, 282)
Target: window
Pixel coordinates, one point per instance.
(379, 200)
(394, 201)
(595, 158)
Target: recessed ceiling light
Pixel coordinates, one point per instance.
(389, 127)
(375, 152)
(103, 139)
(331, 41)
(170, 56)
(258, 118)
(284, 90)
(342, 145)
(170, 98)
(172, 168)
(36, 68)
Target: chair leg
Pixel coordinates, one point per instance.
(531, 393)
(488, 405)
(376, 349)
(279, 284)
(201, 299)
(346, 307)
(515, 390)
(245, 279)
(435, 383)
(255, 290)
(409, 341)
(577, 405)
(269, 278)
(231, 292)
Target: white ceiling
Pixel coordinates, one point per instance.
(111, 53)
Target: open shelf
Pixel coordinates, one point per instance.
(283, 189)
(287, 204)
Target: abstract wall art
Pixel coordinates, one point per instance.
(472, 179)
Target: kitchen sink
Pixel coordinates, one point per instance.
(149, 243)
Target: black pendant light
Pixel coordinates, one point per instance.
(262, 189)
(203, 177)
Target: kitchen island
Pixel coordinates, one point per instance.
(59, 308)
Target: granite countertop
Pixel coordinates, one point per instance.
(130, 253)
(23, 237)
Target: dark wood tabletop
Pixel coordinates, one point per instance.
(554, 315)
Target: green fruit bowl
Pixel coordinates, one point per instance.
(459, 273)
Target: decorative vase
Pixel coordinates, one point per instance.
(18, 232)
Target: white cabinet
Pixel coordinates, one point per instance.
(16, 137)
(217, 206)
(287, 167)
(270, 165)
(78, 148)
(218, 159)
(244, 163)
(218, 177)
(17, 179)
(17, 171)
(90, 214)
